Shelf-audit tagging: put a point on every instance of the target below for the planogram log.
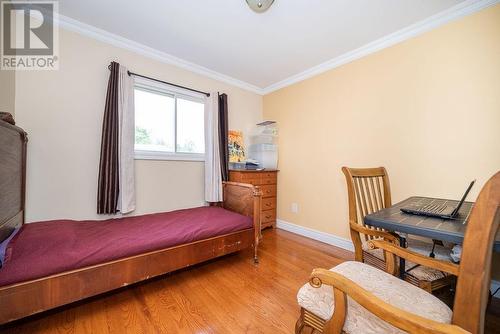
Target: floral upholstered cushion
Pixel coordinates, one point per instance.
(425, 248)
(422, 273)
(388, 288)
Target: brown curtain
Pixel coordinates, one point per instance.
(108, 184)
(223, 137)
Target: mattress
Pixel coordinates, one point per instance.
(45, 248)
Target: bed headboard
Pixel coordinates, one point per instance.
(12, 177)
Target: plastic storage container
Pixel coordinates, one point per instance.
(263, 144)
(265, 132)
(265, 154)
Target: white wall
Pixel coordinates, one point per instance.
(62, 113)
(7, 91)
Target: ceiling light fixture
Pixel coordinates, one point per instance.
(259, 6)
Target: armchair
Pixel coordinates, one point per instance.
(343, 300)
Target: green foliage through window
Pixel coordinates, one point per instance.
(142, 136)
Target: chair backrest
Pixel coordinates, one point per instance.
(475, 265)
(368, 190)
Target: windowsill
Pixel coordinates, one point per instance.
(155, 155)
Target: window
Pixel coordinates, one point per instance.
(169, 124)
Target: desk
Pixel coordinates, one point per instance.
(451, 230)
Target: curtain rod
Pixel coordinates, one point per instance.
(165, 82)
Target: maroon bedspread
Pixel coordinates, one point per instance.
(50, 247)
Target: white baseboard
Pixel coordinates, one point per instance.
(334, 240)
(327, 238)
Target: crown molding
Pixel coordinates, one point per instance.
(463, 9)
(125, 43)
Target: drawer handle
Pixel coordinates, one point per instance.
(268, 216)
(268, 204)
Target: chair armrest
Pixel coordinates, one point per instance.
(375, 233)
(391, 250)
(401, 319)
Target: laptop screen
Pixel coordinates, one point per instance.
(463, 198)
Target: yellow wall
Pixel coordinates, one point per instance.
(62, 113)
(428, 109)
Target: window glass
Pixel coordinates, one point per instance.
(167, 123)
(154, 121)
(190, 126)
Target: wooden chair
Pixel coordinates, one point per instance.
(344, 300)
(369, 191)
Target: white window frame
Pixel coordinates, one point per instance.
(166, 89)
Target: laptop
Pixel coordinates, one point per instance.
(439, 210)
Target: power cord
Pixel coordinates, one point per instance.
(432, 250)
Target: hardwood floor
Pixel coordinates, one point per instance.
(228, 295)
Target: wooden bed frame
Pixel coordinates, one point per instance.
(26, 298)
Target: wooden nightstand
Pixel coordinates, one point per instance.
(267, 180)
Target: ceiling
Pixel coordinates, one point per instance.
(227, 37)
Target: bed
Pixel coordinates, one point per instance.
(53, 263)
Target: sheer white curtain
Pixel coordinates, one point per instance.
(126, 135)
(213, 174)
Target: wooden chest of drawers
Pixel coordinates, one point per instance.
(267, 180)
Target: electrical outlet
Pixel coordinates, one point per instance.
(295, 208)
